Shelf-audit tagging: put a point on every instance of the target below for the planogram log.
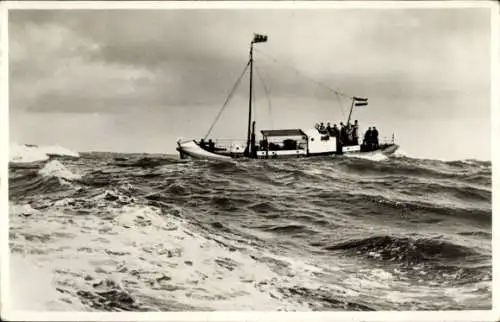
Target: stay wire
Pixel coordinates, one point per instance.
(266, 90)
(235, 86)
(307, 77)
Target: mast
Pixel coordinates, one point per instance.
(350, 112)
(248, 151)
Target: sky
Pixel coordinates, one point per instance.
(137, 80)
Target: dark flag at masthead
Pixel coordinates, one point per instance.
(259, 38)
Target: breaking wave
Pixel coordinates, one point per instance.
(56, 169)
(27, 153)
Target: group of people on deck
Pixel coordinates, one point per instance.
(210, 146)
(371, 138)
(348, 134)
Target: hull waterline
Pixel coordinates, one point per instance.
(191, 149)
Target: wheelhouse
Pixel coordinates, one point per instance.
(282, 143)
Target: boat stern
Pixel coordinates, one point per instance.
(391, 149)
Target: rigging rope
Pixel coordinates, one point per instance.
(341, 107)
(309, 78)
(235, 86)
(267, 96)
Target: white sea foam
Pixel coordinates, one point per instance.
(55, 168)
(402, 153)
(21, 153)
(373, 156)
(23, 210)
(152, 255)
(32, 288)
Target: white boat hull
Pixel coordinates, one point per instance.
(193, 150)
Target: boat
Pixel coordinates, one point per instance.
(283, 143)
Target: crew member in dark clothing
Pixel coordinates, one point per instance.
(211, 145)
(329, 129)
(355, 133)
(202, 144)
(375, 137)
(368, 138)
(322, 128)
(263, 145)
(335, 131)
(349, 131)
(343, 133)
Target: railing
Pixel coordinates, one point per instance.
(228, 145)
(386, 140)
(238, 146)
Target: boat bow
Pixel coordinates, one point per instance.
(192, 149)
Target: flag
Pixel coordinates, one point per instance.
(259, 38)
(359, 99)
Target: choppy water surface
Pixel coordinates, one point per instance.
(142, 232)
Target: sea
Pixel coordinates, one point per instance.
(144, 232)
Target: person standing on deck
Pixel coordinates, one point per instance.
(343, 133)
(329, 129)
(202, 144)
(349, 132)
(211, 145)
(368, 138)
(355, 133)
(375, 137)
(322, 128)
(336, 132)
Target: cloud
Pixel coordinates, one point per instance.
(51, 71)
(194, 56)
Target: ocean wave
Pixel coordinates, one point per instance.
(404, 249)
(31, 185)
(131, 230)
(459, 191)
(401, 153)
(142, 254)
(408, 167)
(372, 156)
(54, 168)
(25, 210)
(34, 153)
(110, 296)
(143, 162)
(34, 288)
(288, 229)
(324, 300)
(411, 209)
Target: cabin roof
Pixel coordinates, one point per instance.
(285, 132)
